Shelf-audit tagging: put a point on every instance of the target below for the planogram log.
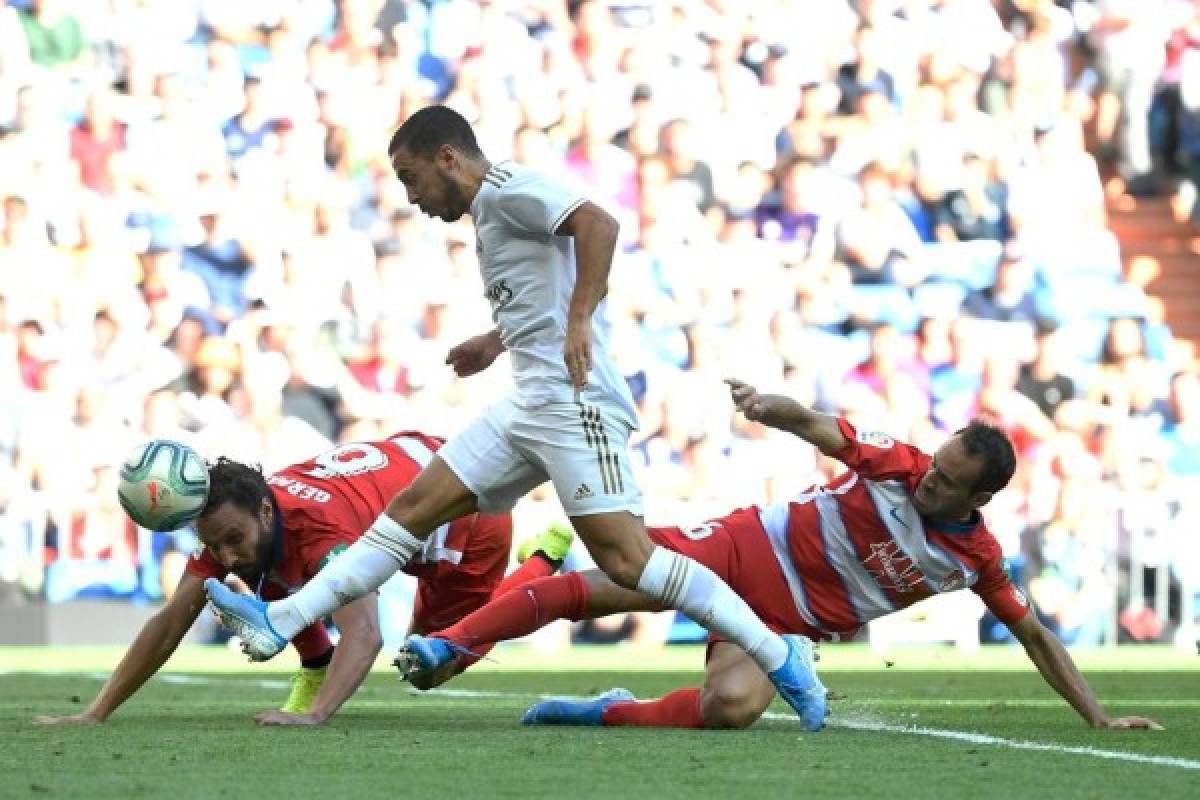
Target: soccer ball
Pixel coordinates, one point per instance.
(163, 485)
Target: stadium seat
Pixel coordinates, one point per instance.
(889, 304)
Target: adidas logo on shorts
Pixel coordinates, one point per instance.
(583, 492)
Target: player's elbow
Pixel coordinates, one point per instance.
(593, 222)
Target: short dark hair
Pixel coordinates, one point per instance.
(233, 482)
(431, 127)
(992, 447)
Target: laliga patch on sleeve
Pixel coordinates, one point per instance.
(875, 439)
(333, 553)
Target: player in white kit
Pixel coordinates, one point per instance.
(545, 252)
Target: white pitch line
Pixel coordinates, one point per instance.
(999, 741)
(858, 723)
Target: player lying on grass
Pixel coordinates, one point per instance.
(897, 527)
(276, 533)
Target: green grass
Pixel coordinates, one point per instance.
(197, 739)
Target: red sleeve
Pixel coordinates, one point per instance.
(1006, 601)
(204, 565)
(877, 456)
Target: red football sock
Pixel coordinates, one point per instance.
(679, 709)
(313, 642)
(520, 612)
(533, 568)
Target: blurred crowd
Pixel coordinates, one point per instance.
(884, 208)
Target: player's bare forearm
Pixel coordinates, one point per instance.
(1058, 668)
(595, 234)
(356, 651)
(476, 354)
(154, 644)
(786, 414)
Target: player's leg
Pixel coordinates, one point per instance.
(618, 541)
(574, 596)
(316, 652)
(582, 448)
(457, 589)
(584, 595)
(736, 691)
(586, 459)
(474, 469)
(734, 695)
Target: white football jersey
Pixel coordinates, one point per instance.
(528, 277)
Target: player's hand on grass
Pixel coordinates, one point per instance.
(66, 719)
(577, 352)
(275, 717)
(1133, 723)
(475, 354)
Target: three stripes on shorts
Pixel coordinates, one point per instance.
(597, 439)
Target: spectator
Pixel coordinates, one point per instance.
(1010, 297)
(1041, 381)
(878, 240)
(780, 188)
(977, 210)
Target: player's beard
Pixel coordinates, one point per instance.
(262, 556)
(454, 201)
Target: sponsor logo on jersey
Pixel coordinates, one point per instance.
(584, 492)
(498, 294)
(955, 580)
(892, 568)
(875, 439)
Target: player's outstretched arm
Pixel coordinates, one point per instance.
(595, 234)
(155, 643)
(785, 414)
(1059, 670)
(356, 651)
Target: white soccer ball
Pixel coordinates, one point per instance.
(163, 485)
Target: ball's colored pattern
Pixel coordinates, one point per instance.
(163, 485)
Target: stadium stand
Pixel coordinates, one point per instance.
(883, 207)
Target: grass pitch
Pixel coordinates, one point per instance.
(919, 723)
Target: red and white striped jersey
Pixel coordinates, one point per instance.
(857, 548)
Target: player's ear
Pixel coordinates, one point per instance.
(266, 512)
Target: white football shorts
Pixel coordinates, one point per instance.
(509, 450)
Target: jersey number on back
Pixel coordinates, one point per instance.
(348, 460)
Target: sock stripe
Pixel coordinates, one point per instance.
(380, 542)
(673, 587)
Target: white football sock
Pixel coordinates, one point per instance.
(680, 583)
(363, 567)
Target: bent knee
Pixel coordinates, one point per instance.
(728, 708)
(624, 568)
